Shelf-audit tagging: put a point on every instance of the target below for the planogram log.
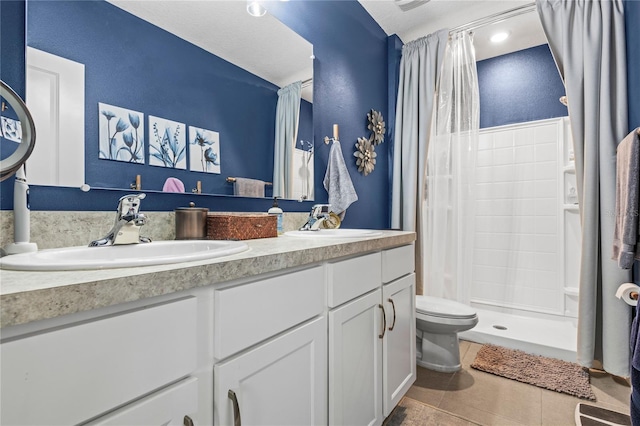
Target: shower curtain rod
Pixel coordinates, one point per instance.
(497, 17)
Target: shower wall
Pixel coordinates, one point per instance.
(526, 246)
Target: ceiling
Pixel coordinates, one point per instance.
(525, 30)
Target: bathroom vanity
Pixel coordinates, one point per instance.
(292, 331)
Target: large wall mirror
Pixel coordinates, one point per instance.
(180, 93)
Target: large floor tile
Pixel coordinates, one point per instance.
(469, 354)
(414, 413)
(610, 390)
(429, 386)
(477, 390)
(482, 417)
(558, 408)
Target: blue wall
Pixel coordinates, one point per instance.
(12, 44)
(350, 78)
(519, 87)
(344, 37)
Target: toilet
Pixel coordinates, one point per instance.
(438, 322)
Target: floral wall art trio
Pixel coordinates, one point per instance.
(170, 143)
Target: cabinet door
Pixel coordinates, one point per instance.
(399, 344)
(355, 362)
(282, 382)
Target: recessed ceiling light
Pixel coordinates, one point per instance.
(254, 8)
(405, 5)
(498, 37)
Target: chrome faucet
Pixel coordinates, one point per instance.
(126, 229)
(319, 213)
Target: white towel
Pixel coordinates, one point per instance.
(626, 241)
(338, 183)
(248, 187)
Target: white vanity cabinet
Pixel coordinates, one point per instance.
(77, 372)
(331, 342)
(271, 351)
(371, 335)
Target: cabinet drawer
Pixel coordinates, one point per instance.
(78, 372)
(250, 313)
(351, 278)
(397, 262)
(166, 407)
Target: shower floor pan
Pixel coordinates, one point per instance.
(539, 336)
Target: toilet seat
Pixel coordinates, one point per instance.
(443, 308)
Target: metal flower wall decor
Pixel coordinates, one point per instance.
(376, 126)
(365, 156)
(366, 148)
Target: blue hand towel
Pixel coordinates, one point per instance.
(337, 181)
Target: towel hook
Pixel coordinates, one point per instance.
(327, 139)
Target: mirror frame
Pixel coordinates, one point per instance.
(11, 164)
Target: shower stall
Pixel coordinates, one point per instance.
(500, 214)
(526, 250)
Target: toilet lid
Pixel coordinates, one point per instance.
(443, 307)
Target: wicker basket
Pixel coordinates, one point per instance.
(241, 226)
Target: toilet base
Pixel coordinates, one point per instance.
(439, 368)
(440, 352)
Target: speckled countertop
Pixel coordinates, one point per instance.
(32, 296)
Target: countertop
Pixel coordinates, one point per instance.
(32, 296)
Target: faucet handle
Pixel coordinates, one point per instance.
(140, 196)
(320, 210)
(130, 204)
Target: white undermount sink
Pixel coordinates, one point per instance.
(121, 256)
(335, 233)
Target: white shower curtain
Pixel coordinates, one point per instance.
(287, 117)
(587, 39)
(450, 178)
(419, 67)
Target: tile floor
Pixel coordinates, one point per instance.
(476, 397)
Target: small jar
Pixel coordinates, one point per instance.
(191, 222)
